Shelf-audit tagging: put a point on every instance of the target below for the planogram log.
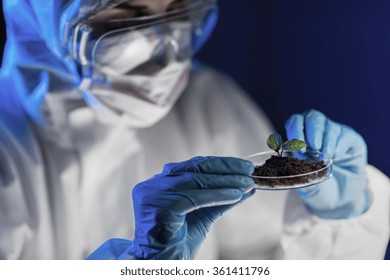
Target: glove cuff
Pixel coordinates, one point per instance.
(112, 249)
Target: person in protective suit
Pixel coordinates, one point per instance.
(114, 144)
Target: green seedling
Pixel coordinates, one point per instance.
(275, 143)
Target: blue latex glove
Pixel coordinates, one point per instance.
(345, 194)
(175, 210)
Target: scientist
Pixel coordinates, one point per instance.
(98, 96)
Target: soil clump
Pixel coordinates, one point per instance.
(277, 166)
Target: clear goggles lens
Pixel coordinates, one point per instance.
(156, 38)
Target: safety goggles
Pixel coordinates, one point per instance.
(91, 36)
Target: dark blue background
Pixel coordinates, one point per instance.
(331, 55)
(292, 55)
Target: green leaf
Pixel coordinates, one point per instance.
(294, 145)
(274, 142)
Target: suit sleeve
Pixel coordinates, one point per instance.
(14, 217)
(306, 236)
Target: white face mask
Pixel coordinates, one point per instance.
(139, 74)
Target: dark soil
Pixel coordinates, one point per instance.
(277, 166)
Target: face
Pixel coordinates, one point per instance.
(137, 8)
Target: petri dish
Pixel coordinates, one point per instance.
(292, 181)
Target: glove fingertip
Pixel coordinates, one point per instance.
(247, 195)
(294, 127)
(230, 196)
(308, 191)
(249, 166)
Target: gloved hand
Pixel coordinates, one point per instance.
(174, 210)
(344, 195)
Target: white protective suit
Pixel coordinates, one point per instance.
(65, 184)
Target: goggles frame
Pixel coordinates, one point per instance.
(89, 32)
